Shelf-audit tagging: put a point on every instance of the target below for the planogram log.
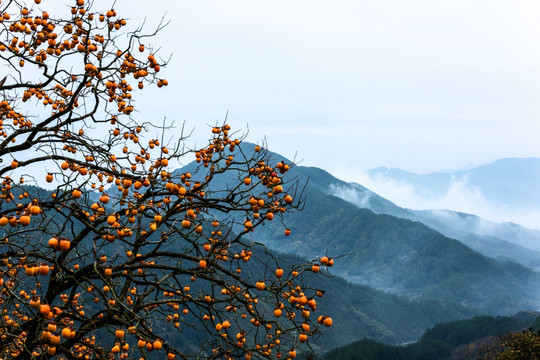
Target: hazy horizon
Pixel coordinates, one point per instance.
(460, 195)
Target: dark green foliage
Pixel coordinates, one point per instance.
(462, 332)
(365, 350)
(443, 341)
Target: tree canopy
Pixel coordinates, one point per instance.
(125, 256)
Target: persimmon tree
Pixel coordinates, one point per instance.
(125, 256)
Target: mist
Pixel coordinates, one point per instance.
(458, 196)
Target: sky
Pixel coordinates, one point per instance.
(349, 85)
(352, 85)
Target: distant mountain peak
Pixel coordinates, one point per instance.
(504, 190)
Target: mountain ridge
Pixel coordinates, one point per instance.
(509, 183)
(395, 254)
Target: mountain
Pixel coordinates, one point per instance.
(502, 241)
(391, 253)
(403, 257)
(358, 311)
(398, 255)
(511, 183)
(462, 339)
(421, 276)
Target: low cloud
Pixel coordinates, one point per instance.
(350, 194)
(459, 196)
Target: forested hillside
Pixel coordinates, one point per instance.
(464, 339)
(394, 254)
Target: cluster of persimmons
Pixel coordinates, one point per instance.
(124, 255)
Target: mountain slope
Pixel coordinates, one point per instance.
(395, 254)
(455, 340)
(358, 311)
(404, 257)
(503, 241)
(484, 236)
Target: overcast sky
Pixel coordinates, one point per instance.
(351, 85)
(423, 85)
